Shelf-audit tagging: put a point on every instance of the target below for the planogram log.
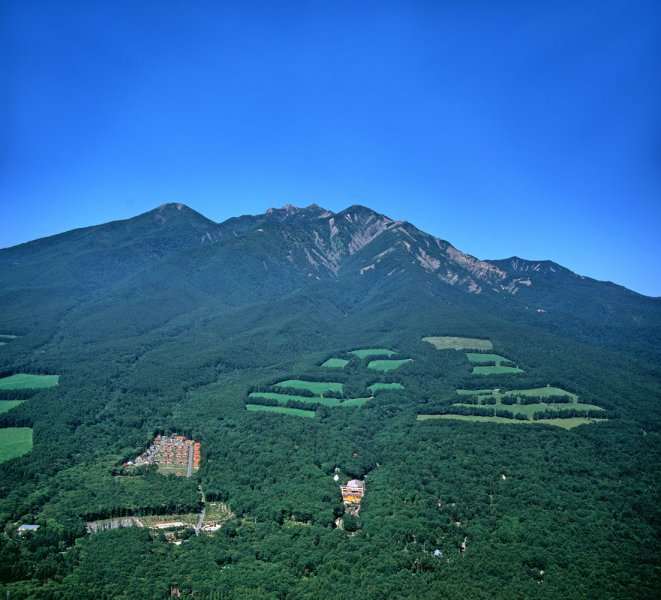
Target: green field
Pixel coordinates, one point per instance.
(335, 363)
(476, 357)
(15, 441)
(355, 401)
(316, 387)
(563, 423)
(22, 381)
(498, 370)
(529, 409)
(365, 352)
(173, 470)
(457, 343)
(387, 365)
(281, 409)
(375, 387)
(6, 405)
(283, 398)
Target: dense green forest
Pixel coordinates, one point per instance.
(452, 509)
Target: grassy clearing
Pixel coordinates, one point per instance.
(181, 470)
(284, 398)
(7, 405)
(316, 387)
(563, 423)
(375, 387)
(355, 401)
(7, 336)
(335, 363)
(457, 343)
(216, 511)
(22, 381)
(481, 392)
(497, 370)
(365, 352)
(543, 392)
(387, 365)
(298, 412)
(189, 519)
(15, 441)
(476, 357)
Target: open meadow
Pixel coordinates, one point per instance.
(457, 343)
(25, 381)
(15, 441)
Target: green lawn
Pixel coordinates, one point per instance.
(563, 423)
(365, 352)
(316, 387)
(15, 441)
(385, 386)
(387, 365)
(498, 370)
(476, 357)
(283, 398)
(355, 401)
(22, 381)
(458, 343)
(335, 363)
(6, 405)
(281, 409)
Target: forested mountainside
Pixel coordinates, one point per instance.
(503, 415)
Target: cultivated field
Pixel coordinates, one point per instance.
(375, 387)
(478, 358)
(316, 387)
(355, 401)
(281, 409)
(365, 352)
(386, 364)
(22, 381)
(6, 405)
(563, 423)
(335, 363)
(284, 398)
(458, 343)
(15, 441)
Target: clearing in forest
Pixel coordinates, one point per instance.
(15, 441)
(24, 381)
(365, 352)
(386, 364)
(502, 364)
(7, 405)
(375, 387)
(335, 363)
(355, 401)
(5, 337)
(316, 387)
(457, 343)
(563, 423)
(298, 412)
(284, 398)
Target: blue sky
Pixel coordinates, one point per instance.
(507, 128)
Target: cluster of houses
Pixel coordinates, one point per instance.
(352, 494)
(169, 451)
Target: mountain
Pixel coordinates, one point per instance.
(302, 349)
(253, 258)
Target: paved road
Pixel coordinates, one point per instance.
(200, 521)
(190, 460)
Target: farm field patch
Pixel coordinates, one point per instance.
(479, 357)
(23, 381)
(298, 412)
(387, 364)
(316, 387)
(355, 401)
(457, 343)
(365, 352)
(497, 370)
(14, 442)
(6, 405)
(284, 398)
(563, 423)
(385, 386)
(335, 363)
